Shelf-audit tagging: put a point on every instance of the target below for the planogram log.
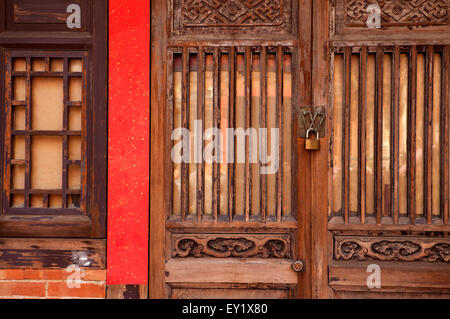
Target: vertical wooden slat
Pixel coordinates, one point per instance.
(170, 95)
(412, 135)
(429, 75)
(248, 96)
(201, 117)
(45, 201)
(280, 127)
(231, 167)
(85, 101)
(337, 118)
(47, 64)
(379, 133)
(8, 128)
(65, 128)
(346, 133)
(263, 124)
(28, 126)
(395, 123)
(185, 124)
(445, 133)
(216, 125)
(362, 132)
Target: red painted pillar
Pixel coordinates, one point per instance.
(129, 131)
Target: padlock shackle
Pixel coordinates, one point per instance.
(312, 130)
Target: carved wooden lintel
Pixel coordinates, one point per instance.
(231, 245)
(203, 16)
(392, 249)
(398, 12)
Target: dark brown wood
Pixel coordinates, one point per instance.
(93, 202)
(159, 174)
(302, 191)
(446, 134)
(395, 123)
(362, 98)
(379, 134)
(28, 126)
(412, 115)
(279, 182)
(65, 158)
(170, 276)
(216, 124)
(185, 108)
(392, 248)
(52, 253)
(248, 115)
(201, 116)
(263, 123)
(319, 160)
(127, 292)
(243, 291)
(346, 134)
(46, 15)
(428, 149)
(232, 121)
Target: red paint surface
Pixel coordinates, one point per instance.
(129, 131)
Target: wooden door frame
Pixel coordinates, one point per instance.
(313, 48)
(321, 240)
(158, 206)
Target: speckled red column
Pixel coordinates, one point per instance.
(128, 158)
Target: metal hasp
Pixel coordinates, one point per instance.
(312, 123)
(311, 118)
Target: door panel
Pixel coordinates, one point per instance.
(225, 203)
(389, 203)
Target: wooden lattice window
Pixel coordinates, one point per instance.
(391, 135)
(247, 88)
(53, 134)
(53, 144)
(45, 136)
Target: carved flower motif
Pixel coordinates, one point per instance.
(396, 250)
(349, 250)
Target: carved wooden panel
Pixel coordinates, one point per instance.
(45, 15)
(398, 12)
(231, 245)
(392, 249)
(205, 16)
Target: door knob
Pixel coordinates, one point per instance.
(298, 266)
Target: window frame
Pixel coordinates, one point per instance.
(92, 224)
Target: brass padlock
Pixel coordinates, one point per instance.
(311, 144)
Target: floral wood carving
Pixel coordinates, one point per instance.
(392, 249)
(398, 12)
(230, 245)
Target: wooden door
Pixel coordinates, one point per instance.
(233, 225)
(389, 201)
